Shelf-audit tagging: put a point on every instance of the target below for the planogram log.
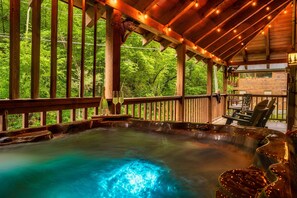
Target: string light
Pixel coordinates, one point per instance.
(262, 32)
(267, 8)
(219, 30)
(169, 29)
(114, 1)
(196, 4)
(269, 26)
(242, 43)
(195, 47)
(234, 31)
(217, 11)
(239, 37)
(182, 39)
(145, 16)
(269, 17)
(254, 3)
(285, 11)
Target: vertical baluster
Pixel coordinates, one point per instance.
(139, 110)
(283, 107)
(59, 116)
(43, 118)
(73, 115)
(145, 111)
(150, 110)
(3, 121)
(25, 120)
(126, 109)
(85, 113)
(155, 111)
(133, 110)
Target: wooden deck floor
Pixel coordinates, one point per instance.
(275, 125)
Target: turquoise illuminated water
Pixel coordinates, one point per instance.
(116, 163)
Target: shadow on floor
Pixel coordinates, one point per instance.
(271, 124)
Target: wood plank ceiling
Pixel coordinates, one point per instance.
(222, 29)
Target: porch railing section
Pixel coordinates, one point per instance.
(279, 113)
(18, 114)
(152, 108)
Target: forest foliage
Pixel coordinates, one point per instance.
(145, 71)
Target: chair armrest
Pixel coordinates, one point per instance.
(237, 119)
(243, 115)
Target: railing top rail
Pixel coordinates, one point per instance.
(260, 95)
(150, 99)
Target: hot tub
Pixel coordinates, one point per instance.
(146, 159)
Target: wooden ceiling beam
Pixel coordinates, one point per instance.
(204, 12)
(90, 14)
(154, 2)
(244, 55)
(251, 12)
(199, 58)
(155, 27)
(190, 55)
(254, 23)
(229, 53)
(267, 45)
(255, 26)
(164, 45)
(212, 23)
(181, 12)
(147, 38)
(259, 62)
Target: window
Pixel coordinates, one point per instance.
(264, 75)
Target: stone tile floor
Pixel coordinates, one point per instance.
(275, 125)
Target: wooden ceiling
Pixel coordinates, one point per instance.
(227, 31)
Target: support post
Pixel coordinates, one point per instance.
(180, 82)
(54, 39)
(14, 60)
(225, 88)
(291, 96)
(113, 52)
(209, 88)
(69, 48)
(35, 58)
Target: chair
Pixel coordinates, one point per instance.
(257, 116)
(260, 105)
(245, 105)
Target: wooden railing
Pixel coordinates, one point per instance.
(35, 112)
(197, 108)
(16, 114)
(279, 113)
(154, 108)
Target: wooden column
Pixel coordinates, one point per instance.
(14, 74)
(54, 39)
(180, 81)
(95, 50)
(225, 87)
(291, 96)
(69, 48)
(225, 80)
(35, 50)
(83, 41)
(113, 52)
(209, 88)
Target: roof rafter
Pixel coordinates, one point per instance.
(255, 24)
(154, 2)
(205, 11)
(181, 12)
(252, 33)
(236, 21)
(212, 25)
